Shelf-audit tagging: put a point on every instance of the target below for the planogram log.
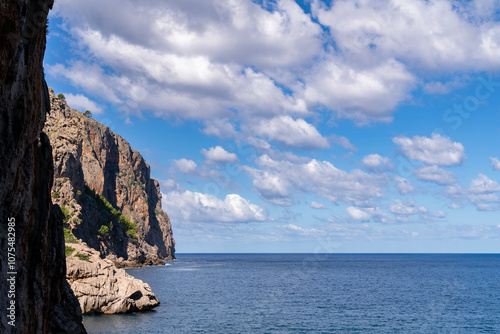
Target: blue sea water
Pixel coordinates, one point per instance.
(307, 293)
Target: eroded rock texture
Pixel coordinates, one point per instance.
(26, 175)
(102, 288)
(105, 190)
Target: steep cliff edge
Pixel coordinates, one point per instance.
(105, 190)
(42, 301)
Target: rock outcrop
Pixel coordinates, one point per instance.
(102, 288)
(39, 288)
(105, 190)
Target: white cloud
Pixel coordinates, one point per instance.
(404, 185)
(316, 205)
(444, 35)
(495, 163)
(403, 210)
(278, 179)
(437, 150)
(343, 141)
(219, 155)
(221, 128)
(438, 214)
(300, 230)
(437, 87)
(190, 206)
(177, 61)
(362, 95)
(435, 174)
(82, 103)
(406, 208)
(366, 214)
(483, 185)
(221, 59)
(377, 163)
(272, 187)
(185, 166)
(482, 193)
(291, 133)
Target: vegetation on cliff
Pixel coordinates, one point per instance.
(105, 191)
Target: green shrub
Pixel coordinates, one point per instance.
(69, 250)
(138, 183)
(130, 228)
(88, 113)
(78, 192)
(56, 195)
(61, 96)
(105, 230)
(66, 213)
(83, 257)
(69, 238)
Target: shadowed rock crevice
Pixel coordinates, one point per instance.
(26, 175)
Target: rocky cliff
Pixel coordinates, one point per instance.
(104, 188)
(37, 298)
(101, 287)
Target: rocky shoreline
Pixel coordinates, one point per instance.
(112, 212)
(103, 288)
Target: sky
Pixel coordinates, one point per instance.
(299, 126)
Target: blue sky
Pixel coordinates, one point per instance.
(309, 126)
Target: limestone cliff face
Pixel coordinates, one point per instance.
(26, 175)
(104, 187)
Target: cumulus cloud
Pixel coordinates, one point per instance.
(185, 166)
(483, 185)
(404, 185)
(435, 174)
(362, 95)
(191, 206)
(221, 128)
(316, 205)
(437, 87)
(482, 193)
(366, 214)
(377, 163)
(272, 187)
(192, 64)
(82, 103)
(406, 208)
(219, 155)
(437, 150)
(227, 59)
(445, 35)
(276, 180)
(290, 228)
(291, 132)
(343, 141)
(495, 163)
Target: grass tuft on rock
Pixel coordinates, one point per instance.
(83, 257)
(69, 238)
(69, 250)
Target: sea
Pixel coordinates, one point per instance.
(317, 293)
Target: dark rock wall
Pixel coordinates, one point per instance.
(26, 175)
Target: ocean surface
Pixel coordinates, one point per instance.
(307, 293)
